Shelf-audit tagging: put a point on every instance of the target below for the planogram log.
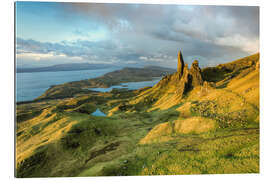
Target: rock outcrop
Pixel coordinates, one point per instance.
(184, 84)
(206, 88)
(180, 63)
(187, 78)
(195, 74)
(172, 88)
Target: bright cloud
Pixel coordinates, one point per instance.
(247, 44)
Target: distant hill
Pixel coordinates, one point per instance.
(65, 67)
(146, 72)
(160, 68)
(128, 74)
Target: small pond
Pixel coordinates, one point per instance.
(98, 113)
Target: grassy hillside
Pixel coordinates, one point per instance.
(213, 129)
(229, 70)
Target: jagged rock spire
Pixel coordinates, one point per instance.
(184, 82)
(195, 73)
(180, 63)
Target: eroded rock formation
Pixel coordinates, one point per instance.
(180, 63)
(178, 84)
(184, 82)
(195, 74)
(189, 78)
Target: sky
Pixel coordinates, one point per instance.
(49, 33)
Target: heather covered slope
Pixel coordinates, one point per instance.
(194, 121)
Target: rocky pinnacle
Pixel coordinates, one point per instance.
(195, 74)
(180, 65)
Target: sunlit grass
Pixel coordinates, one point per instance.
(211, 130)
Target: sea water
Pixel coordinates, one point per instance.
(31, 85)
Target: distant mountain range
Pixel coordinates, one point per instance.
(65, 67)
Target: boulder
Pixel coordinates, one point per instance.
(205, 88)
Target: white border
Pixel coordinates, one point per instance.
(185, 2)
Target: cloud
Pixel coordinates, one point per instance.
(31, 59)
(249, 45)
(68, 48)
(78, 51)
(128, 33)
